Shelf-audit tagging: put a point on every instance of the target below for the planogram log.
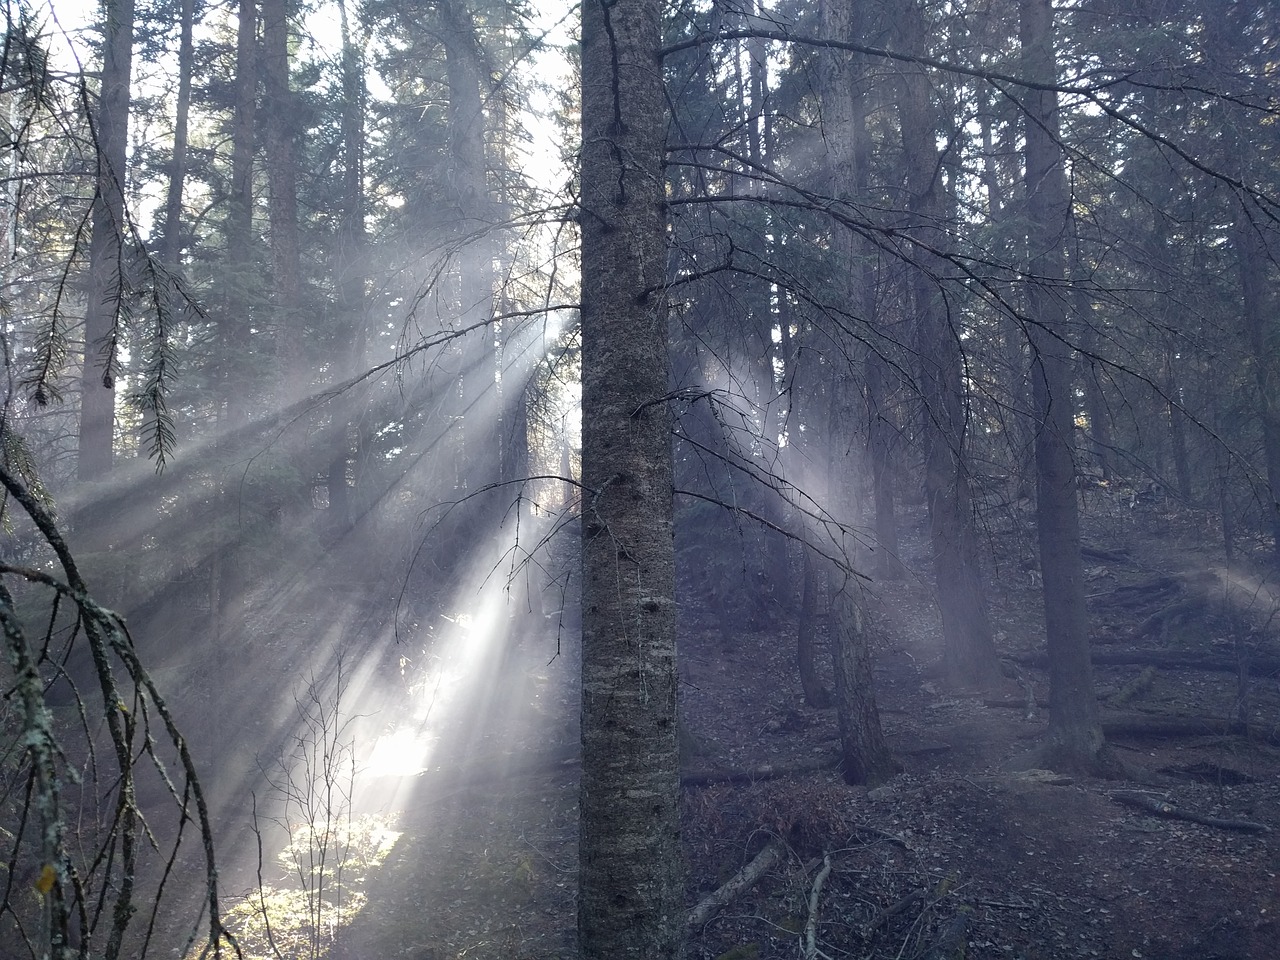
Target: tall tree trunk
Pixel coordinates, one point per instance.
(866, 758)
(630, 878)
(350, 268)
(807, 628)
(469, 180)
(171, 250)
(969, 651)
(228, 578)
(236, 321)
(1262, 336)
(1075, 740)
(282, 181)
(864, 754)
(106, 245)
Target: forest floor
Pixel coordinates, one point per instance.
(955, 856)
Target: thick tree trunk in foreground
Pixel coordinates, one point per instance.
(1075, 739)
(106, 246)
(630, 898)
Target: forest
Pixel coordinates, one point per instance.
(717, 479)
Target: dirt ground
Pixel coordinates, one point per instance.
(955, 857)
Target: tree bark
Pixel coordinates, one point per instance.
(630, 900)
(865, 756)
(807, 626)
(171, 250)
(1074, 741)
(282, 181)
(235, 323)
(106, 245)
(969, 652)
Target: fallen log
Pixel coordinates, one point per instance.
(1258, 666)
(1142, 594)
(1163, 808)
(739, 883)
(1169, 726)
(699, 778)
(1108, 556)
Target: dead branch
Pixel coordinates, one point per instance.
(739, 883)
(700, 778)
(891, 911)
(1157, 726)
(811, 925)
(1163, 808)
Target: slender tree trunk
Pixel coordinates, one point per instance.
(351, 267)
(1262, 337)
(864, 754)
(469, 181)
(807, 628)
(866, 757)
(282, 181)
(236, 320)
(1075, 740)
(969, 651)
(880, 447)
(228, 578)
(171, 250)
(106, 245)
(630, 898)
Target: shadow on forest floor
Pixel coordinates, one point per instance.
(951, 852)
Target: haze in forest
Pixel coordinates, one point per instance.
(395, 391)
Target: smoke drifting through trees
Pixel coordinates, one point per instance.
(895, 252)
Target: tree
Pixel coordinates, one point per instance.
(865, 756)
(1074, 740)
(968, 644)
(630, 876)
(107, 247)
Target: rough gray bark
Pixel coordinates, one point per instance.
(1074, 741)
(864, 754)
(106, 245)
(865, 757)
(630, 900)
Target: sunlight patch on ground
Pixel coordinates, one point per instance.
(315, 889)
